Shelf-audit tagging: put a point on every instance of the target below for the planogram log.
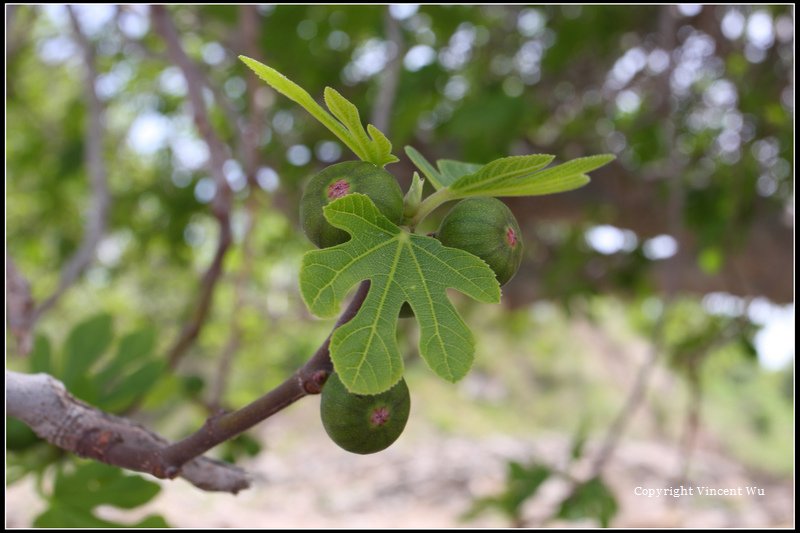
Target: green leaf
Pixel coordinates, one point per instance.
(378, 149)
(348, 115)
(522, 482)
(401, 267)
(133, 347)
(500, 172)
(449, 171)
(85, 344)
(383, 147)
(41, 360)
(132, 386)
(452, 171)
(371, 145)
(93, 484)
(426, 168)
(593, 499)
(60, 516)
(522, 176)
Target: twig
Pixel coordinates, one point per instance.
(249, 136)
(43, 403)
(382, 109)
(251, 133)
(240, 287)
(19, 307)
(585, 469)
(100, 202)
(221, 205)
(309, 379)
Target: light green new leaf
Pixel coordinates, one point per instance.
(401, 267)
(448, 172)
(500, 171)
(373, 147)
(522, 176)
(452, 170)
(426, 168)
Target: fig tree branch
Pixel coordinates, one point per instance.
(19, 307)
(221, 204)
(43, 403)
(387, 89)
(97, 213)
(309, 379)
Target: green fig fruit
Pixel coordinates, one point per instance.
(341, 179)
(487, 228)
(363, 424)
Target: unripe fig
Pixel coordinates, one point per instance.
(341, 179)
(487, 228)
(364, 424)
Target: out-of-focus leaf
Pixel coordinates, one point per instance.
(85, 344)
(132, 386)
(92, 484)
(41, 359)
(594, 500)
(133, 347)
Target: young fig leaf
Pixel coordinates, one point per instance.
(402, 267)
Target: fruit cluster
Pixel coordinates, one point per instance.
(482, 226)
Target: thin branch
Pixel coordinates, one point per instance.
(100, 201)
(43, 403)
(221, 205)
(382, 109)
(249, 25)
(585, 469)
(19, 307)
(309, 379)
(632, 403)
(240, 288)
(249, 134)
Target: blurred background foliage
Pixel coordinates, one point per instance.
(685, 242)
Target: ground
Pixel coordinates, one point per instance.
(428, 479)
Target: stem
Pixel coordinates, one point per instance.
(309, 379)
(97, 215)
(222, 204)
(428, 205)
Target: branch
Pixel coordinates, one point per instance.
(221, 205)
(381, 111)
(19, 307)
(249, 24)
(309, 379)
(100, 202)
(240, 289)
(43, 403)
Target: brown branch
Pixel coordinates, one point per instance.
(43, 403)
(240, 288)
(221, 205)
(382, 109)
(309, 379)
(19, 307)
(249, 24)
(100, 202)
